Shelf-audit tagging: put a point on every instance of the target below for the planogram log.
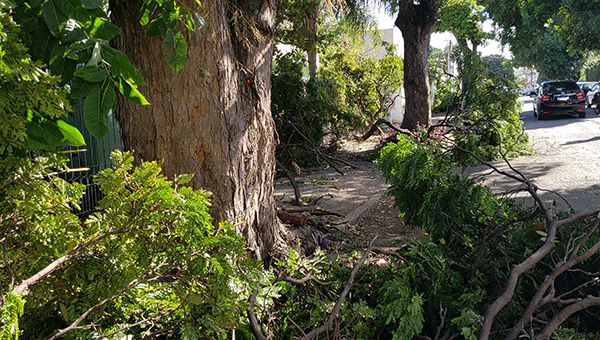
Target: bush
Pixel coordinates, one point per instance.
(479, 236)
(151, 254)
(488, 123)
(301, 108)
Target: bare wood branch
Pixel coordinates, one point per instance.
(329, 323)
(49, 269)
(156, 317)
(390, 253)
(315, 148)
(442, 314)
(564, 314)
(75, 324)
(383, 121)
(254, 327)
(290, 177)
(517, 270)
(540, 297)
(298, 327)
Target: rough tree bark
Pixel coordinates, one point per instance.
(213, 118)
(416, 20)
(312, 25)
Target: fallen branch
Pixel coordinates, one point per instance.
(76, 323)
(315, 148)
(290, 177)
(383, 121)
(314, 334)
(564, 314)
(329, 323)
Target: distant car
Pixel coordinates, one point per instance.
(593, 96)
(586, 85)
(532, 91)
(558, 98)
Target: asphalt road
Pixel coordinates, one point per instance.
(567, 160)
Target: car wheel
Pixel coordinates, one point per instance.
(539, 117)
(535, 114)
(582, 114)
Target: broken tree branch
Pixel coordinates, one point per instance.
(390, 125)
(290, 177)
(314, 334)
(315, 148)
(329, 323)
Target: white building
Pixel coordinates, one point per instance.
(394, 37)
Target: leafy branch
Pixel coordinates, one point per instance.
(314, 334)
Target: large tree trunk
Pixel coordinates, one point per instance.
(213, 118)
(312, 25)
(416, 21)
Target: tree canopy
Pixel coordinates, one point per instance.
(550, 35)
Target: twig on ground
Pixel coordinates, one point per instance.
(290, 177)
(314, 334)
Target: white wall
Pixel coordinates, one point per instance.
(392, 36)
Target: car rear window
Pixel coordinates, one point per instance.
(562, 86)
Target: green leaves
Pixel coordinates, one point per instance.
(183, 179)
(43, 134)
(91, 74)
(75, 32)
(103, 29)
(130, 92)
(96, 107)
(179, 54)
(92, 4)
(165, 15)
(52, 16)
(73, 9)
(70, 134)
(121, 67)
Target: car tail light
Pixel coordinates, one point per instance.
(545, 98)
(580, 95)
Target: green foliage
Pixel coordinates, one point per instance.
(445, 97)
(500, 65)
(472, 239)
(410, 168)
(366, 86)
(300, 107)
(468, 323)
(553, 59)
(66, 33)
(551, 35)
(402, 308)
(32, 104)
(464, 18)
(10, 312)
(350, 92)
(152, 250)
(446, 88)
(488, 124)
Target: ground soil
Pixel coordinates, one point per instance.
(342, 211)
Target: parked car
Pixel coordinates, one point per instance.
(557, 98)
(593, 96)
(586, 85)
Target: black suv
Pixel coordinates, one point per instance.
(558, 98)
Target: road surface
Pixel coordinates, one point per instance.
(567, 159)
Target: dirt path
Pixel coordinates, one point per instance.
(344, 211)
(352, 208)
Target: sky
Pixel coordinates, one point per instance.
(440, 40)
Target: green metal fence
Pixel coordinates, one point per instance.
(88, 160)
